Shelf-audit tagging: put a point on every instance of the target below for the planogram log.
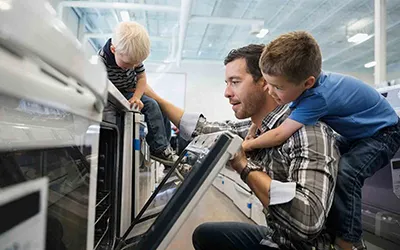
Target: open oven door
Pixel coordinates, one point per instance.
(180, 191)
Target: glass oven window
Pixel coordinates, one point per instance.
(36, 141)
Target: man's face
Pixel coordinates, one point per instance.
(282, 90)
(245, 95)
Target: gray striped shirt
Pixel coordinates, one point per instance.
(123, 79)
(310, 159)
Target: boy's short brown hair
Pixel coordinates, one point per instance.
(294, 56)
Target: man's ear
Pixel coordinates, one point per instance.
(112, 48)
(309, 83)
(264, 84)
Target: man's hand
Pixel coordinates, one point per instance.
(239, 161)
(136, 103)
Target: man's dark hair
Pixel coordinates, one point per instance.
(251, 53)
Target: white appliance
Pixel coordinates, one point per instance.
(26, 229)
(131, 128)
(230, 184)
(51, 103)
(392, 95)
(175, 197)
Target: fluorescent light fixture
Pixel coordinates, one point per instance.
(5, 5)
(262, 33)
(125, 15)
(161, 68)
(370, 64)
(94, 59)
(359, 38)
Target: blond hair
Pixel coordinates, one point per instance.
(132, 41)
(294, 56)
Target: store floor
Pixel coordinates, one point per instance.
(213, 207)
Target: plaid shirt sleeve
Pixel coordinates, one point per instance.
(313, 162)
(192, 125)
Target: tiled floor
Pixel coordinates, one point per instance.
(214, 206)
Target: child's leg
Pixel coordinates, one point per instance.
(156, 137)
(363, 159)
(167, 125)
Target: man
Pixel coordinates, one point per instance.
(294, 181)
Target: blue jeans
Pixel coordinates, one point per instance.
(360, 159)
(229, 236)
(158, 125)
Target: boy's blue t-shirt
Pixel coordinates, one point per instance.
(351, 107)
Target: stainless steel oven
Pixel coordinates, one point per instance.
(51, 103)
(128, 126)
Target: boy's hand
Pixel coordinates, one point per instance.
(247, 144)
(136, 103)
(251, 134)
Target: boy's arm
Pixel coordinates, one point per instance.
(273, 137)
(140, 85)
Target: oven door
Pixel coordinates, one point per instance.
(177, 194)
(49, 126)
(62, 147)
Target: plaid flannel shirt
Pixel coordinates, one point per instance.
(310, 159)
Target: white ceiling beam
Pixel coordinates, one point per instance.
(380, 42)
(330, 15)
(225, 20)
(87, 36)
(364, 53)
(105, 35)
(114, 5)
(390, 27)
(186, 6)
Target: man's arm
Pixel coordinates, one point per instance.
(195, 124)
(173, 112)
(313, 166)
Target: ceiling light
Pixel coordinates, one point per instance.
(5, 5)
(125, 15)
(359, 38)
(199, 53)
(370, 64)
(262, 33)
(210, 45)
